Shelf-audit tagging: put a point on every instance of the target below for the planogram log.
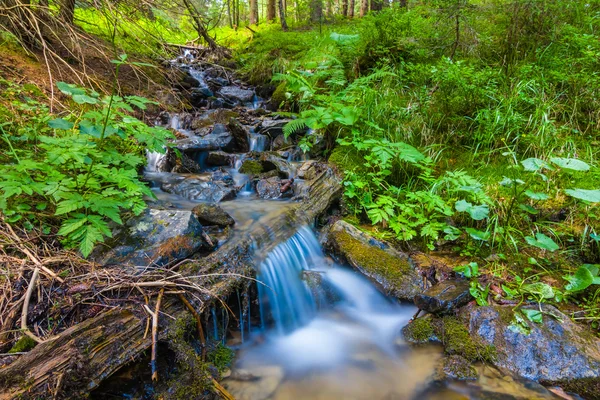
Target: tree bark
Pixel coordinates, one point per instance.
(351, 9)
(88, 353)
(364, 7)
(282, 15)
(253, 12)
(270, 10)
(316, 10)
(376, 5)
(345, 8)
(229, 17)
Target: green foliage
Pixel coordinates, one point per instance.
(80, 169)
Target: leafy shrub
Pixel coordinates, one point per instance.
(81, 169)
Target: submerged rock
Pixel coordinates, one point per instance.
(393, 271)
(444, 297)
(154, 238)
(554, 352)
(258, 383)
(212, 214)
(212, 141)
(457, 367)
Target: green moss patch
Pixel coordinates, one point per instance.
(25, 343)
(251, 167)
(457, 340)
(372, 259)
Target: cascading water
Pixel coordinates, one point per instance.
(325, 318)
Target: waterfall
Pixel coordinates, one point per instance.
(283, 293)
(155, 161)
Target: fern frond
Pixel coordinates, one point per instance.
(294, 126)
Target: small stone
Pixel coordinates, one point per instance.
(212, 214)
(444, 297)
(269, 188)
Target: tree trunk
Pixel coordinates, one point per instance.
(364, 7)
(67, 11)
(345, 8)
(282, 15)
(329, 9)
(253, 12)
(376, 5)
(316, 10)
(86, 354)
(270, 10)
(199, 25)
(351, 9)
(229, 17)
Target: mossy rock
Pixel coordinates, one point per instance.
(251, 167)
(420, 330)
(279, 96)
(391, 270)
(556, 351)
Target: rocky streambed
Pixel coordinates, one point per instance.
(268, 291)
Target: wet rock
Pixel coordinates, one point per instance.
(154, 238)
(237, 94)
(212, 214)
(269, 188)
(421, 330)
(392, 270)
(187, 82)
(554, 352)
(208, 142)
(240, 142)
(281, 142)
(211, 117)
(185, 165)
(273, 127)
(221, 176)
(251, 167)
(200, 189)
(444, 297)
(258, 383)
(284, 169)
(457, 367)
(219, 159)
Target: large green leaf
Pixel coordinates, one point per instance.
(540, 289)
(478, 235)
(534, 164)
(536, 195)
(533, 315)
(593, 196)
(570, 163)
(581, 280)
(60, 123)
(542, 241)
(478, 212)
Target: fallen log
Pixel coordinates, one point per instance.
(81, 357)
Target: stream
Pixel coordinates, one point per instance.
(313, 329)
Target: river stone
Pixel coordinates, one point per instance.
(212, 214)
(444, 297)
(241, 138)
(220, 159)
(237, 94)
(284, 169)
(554, 353)
(198, 189)
(269, 189)
(185, 165)
(208, 142)
(390, 269)
(309, 170)
(156, 237)
(281, 142)
(272, 127)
